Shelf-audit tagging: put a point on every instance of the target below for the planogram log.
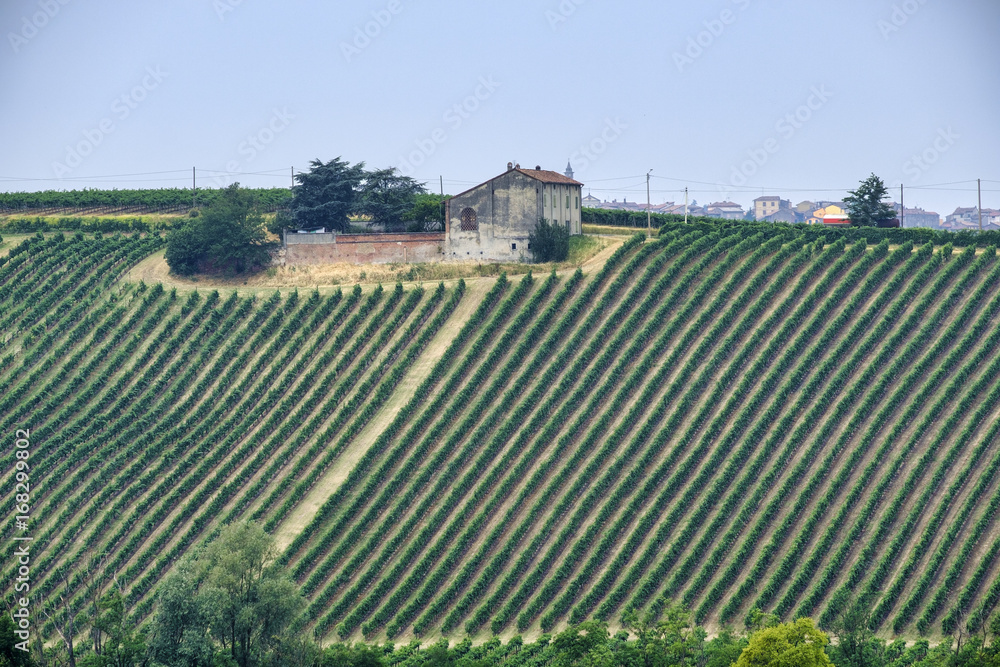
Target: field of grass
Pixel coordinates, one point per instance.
(732, 418)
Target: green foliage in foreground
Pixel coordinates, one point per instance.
(812, 233)
(866, 206)
(83, 224)
(638, 219)
(232, 600)
(671, 641)
(549, 242)
(229, 237)
(145, 199)
(798, 643)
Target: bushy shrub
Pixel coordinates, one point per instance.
(549, 242)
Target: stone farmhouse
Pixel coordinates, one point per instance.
(492, 221)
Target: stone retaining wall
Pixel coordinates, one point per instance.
(307, 249)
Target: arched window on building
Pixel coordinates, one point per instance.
(468, 218)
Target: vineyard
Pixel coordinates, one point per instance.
(728, 416)
(95, 202)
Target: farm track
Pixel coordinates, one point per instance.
(729, 419)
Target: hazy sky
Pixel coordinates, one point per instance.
(731, 98)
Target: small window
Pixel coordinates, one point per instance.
(469, 221)
(513, 246)
(567, 201)
(578, 203)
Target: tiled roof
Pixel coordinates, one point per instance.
(549, 176)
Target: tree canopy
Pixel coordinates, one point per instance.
(327, 194)
(386, 197)
(232, 597)
(865, 206)
(549, 242)
(798, 644)
(427, 213)
(10, 655)
(330, 193)
(228, 236)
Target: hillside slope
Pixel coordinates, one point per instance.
(730, 418)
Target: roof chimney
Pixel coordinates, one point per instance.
(517, 166)
(510, 165)
(538, 167)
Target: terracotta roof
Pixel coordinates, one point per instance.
(549, 176)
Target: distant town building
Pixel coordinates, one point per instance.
(769, 205)
(829, 214)
(968, 218)
(590, 201)
(963, 218)
(781, 215)
(918, 217)
(726, 209)
(493, 221)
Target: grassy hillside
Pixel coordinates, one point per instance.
(730, 417)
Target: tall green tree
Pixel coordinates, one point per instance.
(857, 645)
(180, 628)
(866, 206)
(669, 640)
(235, 594)
(327, 194)
(385, 197)
(549, 242)
(227, 237)
(585, 644)
(10, 655)
(117, 643)
(798, 644)
(427, 213)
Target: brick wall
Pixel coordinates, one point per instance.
(305, 249)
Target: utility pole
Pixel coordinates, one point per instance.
(685, 205)
(649, 215)
(979, 183)
(442, 184)
(194, 187)
(293, 176)
(902, 207)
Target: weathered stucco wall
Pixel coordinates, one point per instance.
(561, 204)
(307, 249)
(507, 209)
